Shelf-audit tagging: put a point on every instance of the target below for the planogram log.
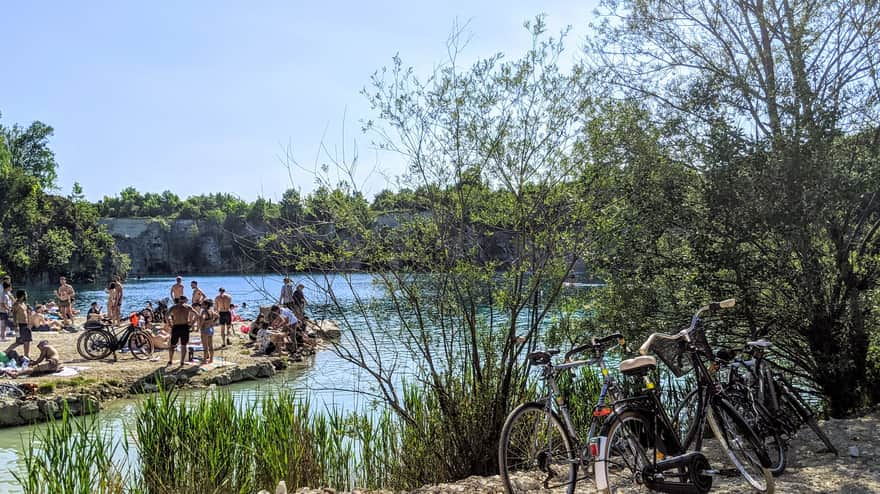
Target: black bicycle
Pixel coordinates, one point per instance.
(100, 340)
(539, 446)
(640, 447)
(768, 399)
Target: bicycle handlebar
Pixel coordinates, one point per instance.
(712, 306)
(595, 344)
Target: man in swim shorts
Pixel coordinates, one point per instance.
(177, 289)
(182, 317)
(65, 294)
(223, 303)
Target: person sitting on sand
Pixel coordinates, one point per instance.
(160, 339)
(47, 363)
(147, 314)
(39, 322)
(94, 313)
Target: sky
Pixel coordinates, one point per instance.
(207, 96)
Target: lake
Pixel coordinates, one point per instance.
(328, 382)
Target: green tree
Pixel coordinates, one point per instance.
(28, 150)
(509, 208)
(775, 105)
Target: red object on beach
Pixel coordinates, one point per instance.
(245, 329)
(133, 319)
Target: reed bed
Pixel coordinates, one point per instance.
(212, 445)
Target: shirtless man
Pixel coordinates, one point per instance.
(182, 317)
(177, 289)
(65, 294)
(47, 363)
(198, 295)
(222, 303)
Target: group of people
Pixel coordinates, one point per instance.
(281, 329)
(18, 318)
(200, 314)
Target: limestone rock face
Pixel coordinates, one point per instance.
(161, 247)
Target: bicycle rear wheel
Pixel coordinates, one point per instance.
(95, 344)
(791, 405)
(741, 445)
(627, 447)
(535, 452)
(141, 345)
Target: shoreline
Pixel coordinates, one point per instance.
(98, 382)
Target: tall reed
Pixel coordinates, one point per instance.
(73, 456)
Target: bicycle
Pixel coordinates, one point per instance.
(539, 444)
(639, 446)
(99, 341)
(11, 391)
(772, 402)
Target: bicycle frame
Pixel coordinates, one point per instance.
(554, 397)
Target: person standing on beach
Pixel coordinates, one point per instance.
(299, 302)
(206, 325)
(223, 302)
(118, 304)
(198, 295)
(6, 303)
(182, 317)
(177, 290)
(112, 308)
(65, 294)
(21, 316)
(286, 298)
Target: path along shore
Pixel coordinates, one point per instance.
(99, 381)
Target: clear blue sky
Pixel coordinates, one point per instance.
(202, 96)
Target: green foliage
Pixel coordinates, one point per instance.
(72, 456)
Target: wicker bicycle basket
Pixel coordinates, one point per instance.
(674, 353)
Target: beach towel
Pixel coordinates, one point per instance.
(68, 371)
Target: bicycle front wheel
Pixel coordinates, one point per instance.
(741, 445)
(141, 345)
(535, 452)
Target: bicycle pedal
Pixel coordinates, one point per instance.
(729, 472)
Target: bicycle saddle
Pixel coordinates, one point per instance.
(638, 365)
(541, 358)
(762, 343)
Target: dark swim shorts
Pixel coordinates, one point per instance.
(179, 332)
(225, 318)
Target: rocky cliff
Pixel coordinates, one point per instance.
(180, 246)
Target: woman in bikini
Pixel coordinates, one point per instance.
(206, 329)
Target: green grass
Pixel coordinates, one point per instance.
(46, 388)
